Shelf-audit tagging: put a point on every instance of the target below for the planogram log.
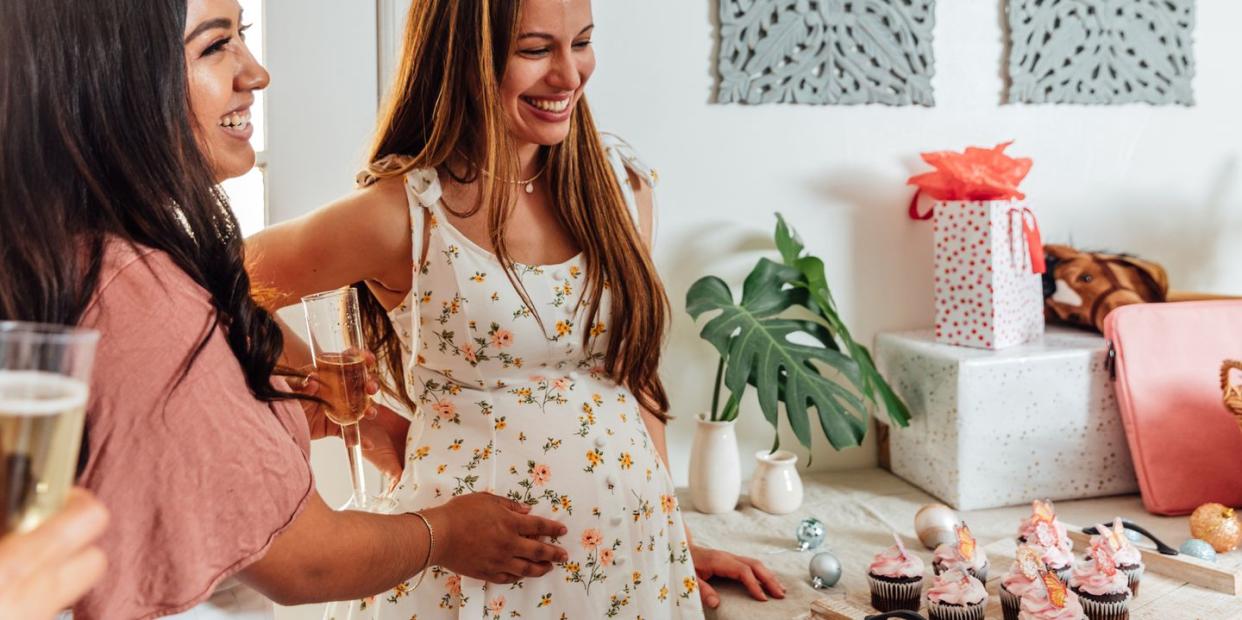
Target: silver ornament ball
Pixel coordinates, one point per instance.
(810, 534)
(825, 570)
(1197, 548)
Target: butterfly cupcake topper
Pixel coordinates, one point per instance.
(1108, 535)
(1029, 562)
(1043, 511)
(1118, 536)
(1056, 590)
(965, 542)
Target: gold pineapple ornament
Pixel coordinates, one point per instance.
(1217, 525)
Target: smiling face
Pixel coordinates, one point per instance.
(222, 77)
(548, 69)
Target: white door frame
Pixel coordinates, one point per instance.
(321, 105)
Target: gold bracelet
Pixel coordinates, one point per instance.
(431, 544)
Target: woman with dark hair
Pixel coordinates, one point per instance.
(512, 299)
(118, 119)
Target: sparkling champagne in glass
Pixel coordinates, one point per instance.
(44, 374)
(335, 327)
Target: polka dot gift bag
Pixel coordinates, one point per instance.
(988, 253)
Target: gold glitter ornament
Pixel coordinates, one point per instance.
(1217, 525)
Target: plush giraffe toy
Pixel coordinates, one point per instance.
(1081, 288)
(1233, 391)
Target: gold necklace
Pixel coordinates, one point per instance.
(528, 183)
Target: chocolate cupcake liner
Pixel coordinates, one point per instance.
(1135, 575)
(1011, 604)
(891, 596)
(1101, 610)
(938, 611)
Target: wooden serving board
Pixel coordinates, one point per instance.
(1166, 592)
(1188, 569)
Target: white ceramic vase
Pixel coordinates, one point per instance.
(715, 469)
(775, 487)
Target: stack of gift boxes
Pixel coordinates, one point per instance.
(1002, 412)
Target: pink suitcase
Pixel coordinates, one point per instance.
(1166, 358)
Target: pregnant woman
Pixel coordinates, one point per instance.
(502, 246)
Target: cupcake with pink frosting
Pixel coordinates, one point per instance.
(1103, 588)
(1127, 556)
(1053, 552)
(896, 579)
(1052, 601)
(1023, 578)
(1042, 512)
(963, 555)
(956, 595)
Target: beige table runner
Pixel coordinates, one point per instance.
(860, 509)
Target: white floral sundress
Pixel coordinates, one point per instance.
(525, 413)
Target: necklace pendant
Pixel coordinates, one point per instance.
(530, 188)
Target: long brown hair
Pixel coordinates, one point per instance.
(445, 105)
(99, 145)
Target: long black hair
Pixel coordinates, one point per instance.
(98, 144)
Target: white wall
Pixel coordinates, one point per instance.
(1165, 183)
(322, 57)
(1161, 182)
(321, 102)
(1158, 181)
(321, 109)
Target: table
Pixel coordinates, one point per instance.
(860, 508)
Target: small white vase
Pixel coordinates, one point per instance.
(715, 469)
(776, 488)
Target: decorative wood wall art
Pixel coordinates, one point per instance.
(826, 51)
(1101, 51)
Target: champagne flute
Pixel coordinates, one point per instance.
(45, 373)
(335, 328)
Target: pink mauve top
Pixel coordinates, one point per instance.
(200, 477)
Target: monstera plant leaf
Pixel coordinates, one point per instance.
(816, 284)
(754, 338)
(804, 363)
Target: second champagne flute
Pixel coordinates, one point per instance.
(45, 371)
(335, 328)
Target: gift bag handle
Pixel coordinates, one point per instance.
(914, 207)
(1030, 236)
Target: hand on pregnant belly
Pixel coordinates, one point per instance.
(487, 537)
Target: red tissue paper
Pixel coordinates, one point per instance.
(975, 174)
